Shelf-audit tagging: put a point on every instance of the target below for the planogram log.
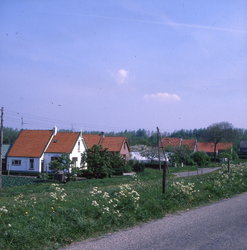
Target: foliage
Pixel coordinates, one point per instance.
(138, 167)
(117, 163)
(149, 152)
(145, 137)
(218, 132)
(200, 158)
(234, 155)
(123, 200)
(181, 153)
(63, 214)
(63, 163)
(189, 161)
(10, 135)
(101, 162)
(173, 159)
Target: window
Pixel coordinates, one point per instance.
(54, 158)
(31, 164)
(16, 162)
(79, 146)
(74, 159)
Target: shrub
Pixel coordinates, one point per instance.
(135, 166)
(200, 158)
(189, 161)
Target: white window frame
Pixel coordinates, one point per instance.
(16, 162)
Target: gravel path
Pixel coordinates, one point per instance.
(222, 225)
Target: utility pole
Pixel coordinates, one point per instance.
(164, 154)
(165, 164)
(1, 149)
(21, 123)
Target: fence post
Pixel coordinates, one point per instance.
(228, 170)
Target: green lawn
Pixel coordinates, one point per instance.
(51, 215)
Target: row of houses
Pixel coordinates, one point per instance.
(170, 143)
(33, 150)
(193, 145)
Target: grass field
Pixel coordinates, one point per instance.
(51, 215)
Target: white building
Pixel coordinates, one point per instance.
(33, 150)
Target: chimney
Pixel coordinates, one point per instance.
(103, 135)
(55, 130)
(180, 141)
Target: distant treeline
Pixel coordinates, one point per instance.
(142, 136)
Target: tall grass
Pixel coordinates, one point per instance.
(51, 215)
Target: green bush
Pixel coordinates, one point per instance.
(201, 158)
(139, 167)
(135, 166)
(189, 161)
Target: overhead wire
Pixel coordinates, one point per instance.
(49, 122)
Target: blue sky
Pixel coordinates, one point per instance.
(116, 65)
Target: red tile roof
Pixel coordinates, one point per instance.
(209, 146)
(113, 143)
(176, 142)
(30, 143)
(63, 142)
(91, 140)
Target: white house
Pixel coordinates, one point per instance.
(65, 142)
(27, 153)
(33, 150)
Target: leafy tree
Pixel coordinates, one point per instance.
(64, 164)
(150, 152)
(201, 158)
(98, 161)
(182, 152)
(10, 135)
(217, 132)
(117, 163)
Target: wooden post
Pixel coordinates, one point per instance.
(228, 170)
(164, 154)
(164, 164)
(8, 167)
(164, 177)
(158, 147)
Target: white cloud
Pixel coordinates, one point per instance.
(173, 24)
(121, 76)
(163, 97)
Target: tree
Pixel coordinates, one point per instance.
(10, 135)
(181, 153)
(98, 161)
(150, 152)
(201, 158)
(217, 132)
(64, 164)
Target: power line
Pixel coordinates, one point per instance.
(45, 122)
